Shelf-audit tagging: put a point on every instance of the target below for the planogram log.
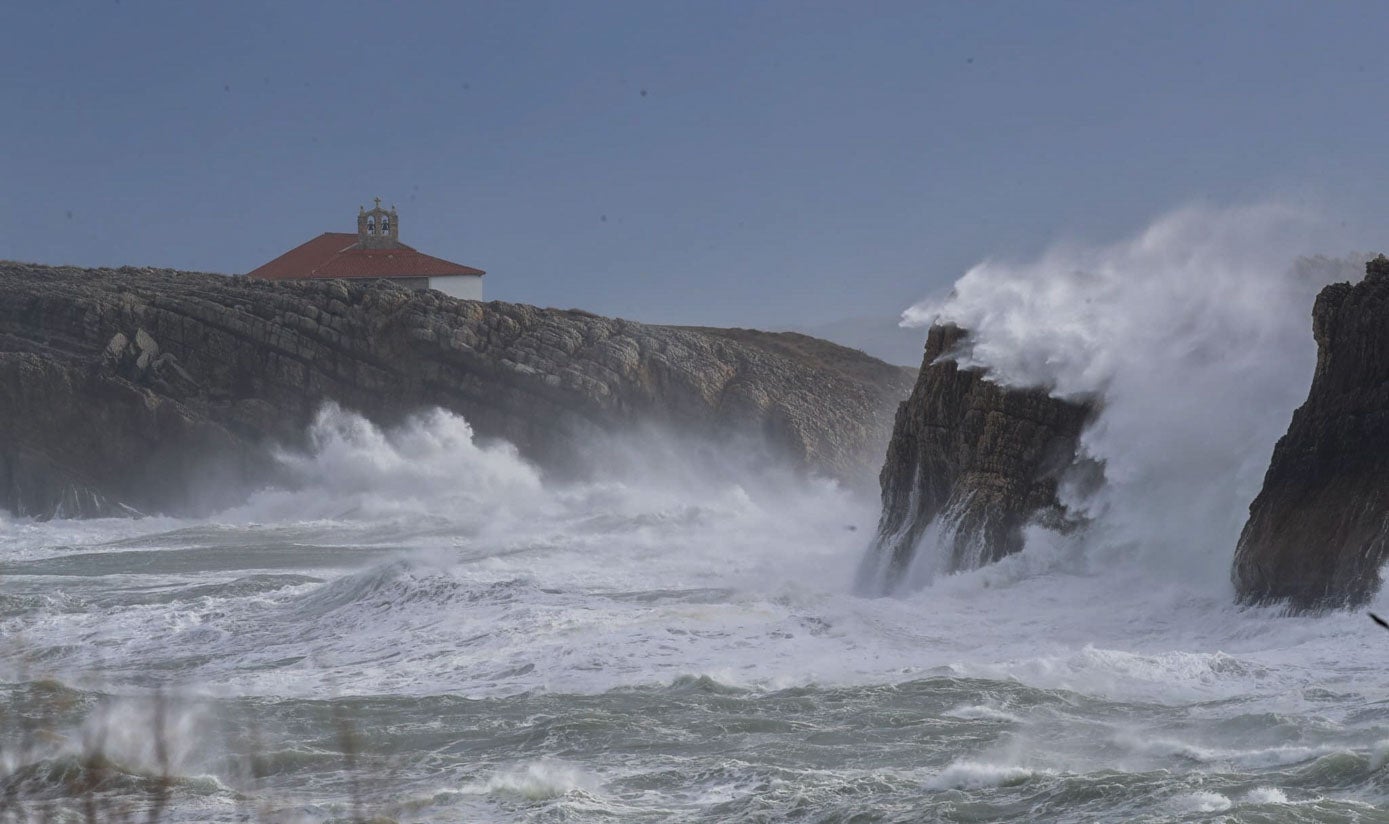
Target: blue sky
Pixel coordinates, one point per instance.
(734, 163)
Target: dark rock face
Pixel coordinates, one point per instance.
(972, 461)
(158, 390)
(1318, 531)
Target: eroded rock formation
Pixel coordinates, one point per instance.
(1318, 532)
(969, 465)
(158, 390)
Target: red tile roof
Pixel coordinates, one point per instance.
(333, 255)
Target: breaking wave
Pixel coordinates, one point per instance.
(1195, 337)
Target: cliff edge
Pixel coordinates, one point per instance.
(970, 463)
(156, 390)
(1318, 532)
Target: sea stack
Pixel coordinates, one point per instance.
(970, 464)
(1318, 532)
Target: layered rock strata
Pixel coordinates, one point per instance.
(970, 464)
(158, 390)
(1318, 532)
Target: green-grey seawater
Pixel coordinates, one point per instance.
(667, 648)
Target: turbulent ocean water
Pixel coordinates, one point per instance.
(427, 630)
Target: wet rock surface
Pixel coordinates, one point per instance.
(1318, 532)
(159, 391)
(970, 464)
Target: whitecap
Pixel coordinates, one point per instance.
(1203, 802)
(970, 775)
(533, 781)
(1266, 795)
(980, 712)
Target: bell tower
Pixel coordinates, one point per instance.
(377, 228)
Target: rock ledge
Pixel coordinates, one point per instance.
(158, 390)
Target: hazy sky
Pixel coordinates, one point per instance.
(737, 163)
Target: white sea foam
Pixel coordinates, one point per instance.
(969, 775)
(1266, 795)
(978, 712)
(660, 571)
(1203, 801)
(431, 464)
(534, 781)
(1194, 337)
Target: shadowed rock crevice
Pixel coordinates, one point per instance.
(1318, 532)
(160, 390)
(970, 464)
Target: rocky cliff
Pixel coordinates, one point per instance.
(969, 465)
(1318, 532)
(157, 390)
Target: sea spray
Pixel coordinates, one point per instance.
(431, 464)
(674, 638)
(1193, 334)
(423, 532)
(594, 649)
